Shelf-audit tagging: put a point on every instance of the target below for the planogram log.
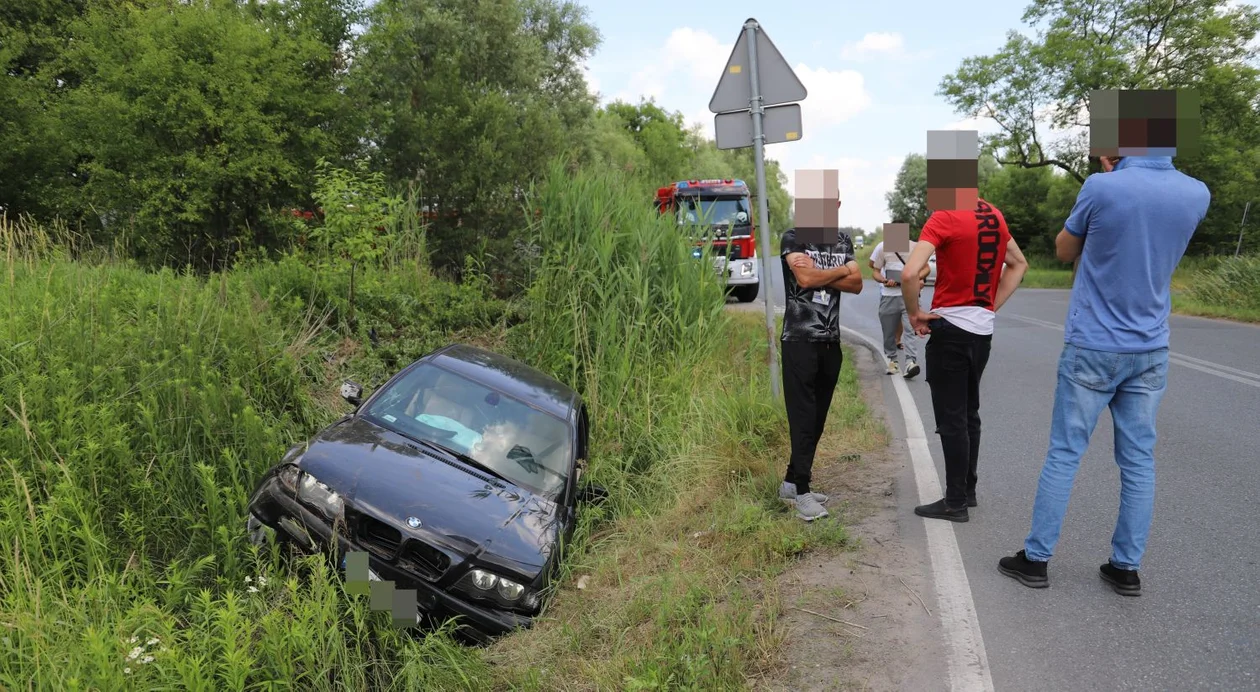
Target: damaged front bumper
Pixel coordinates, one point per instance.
(275, 505)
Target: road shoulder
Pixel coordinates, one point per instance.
(863, 618)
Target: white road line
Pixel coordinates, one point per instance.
(968, 664)
(1207, 366)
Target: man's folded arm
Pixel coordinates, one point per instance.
(812, 277)
(850, 283)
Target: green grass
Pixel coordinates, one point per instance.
(139, 409)
(1225, 287)
(1046, 272)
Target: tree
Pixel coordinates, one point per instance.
(1207, 45)
(186, 128)
(471, 101)
(1018, 194)
(661, 136)
(1096, 44)
(907, 200)
(359, 216)
(32, 156)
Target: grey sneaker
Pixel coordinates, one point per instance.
(787, 493)
(808, 508)
(912, 369)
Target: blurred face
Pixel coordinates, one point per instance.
(1109, 162)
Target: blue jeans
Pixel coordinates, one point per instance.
(1131, 384)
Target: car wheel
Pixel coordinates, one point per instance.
(748, 293)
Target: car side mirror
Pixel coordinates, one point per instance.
(591, 494)
(352, 392)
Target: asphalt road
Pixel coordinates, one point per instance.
(1197, 624)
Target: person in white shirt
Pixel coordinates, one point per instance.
(892, 309)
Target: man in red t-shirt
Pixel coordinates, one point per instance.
(971, 247)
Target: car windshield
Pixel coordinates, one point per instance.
(528, 447)
(724, 210)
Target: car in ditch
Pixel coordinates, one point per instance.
(460, 478)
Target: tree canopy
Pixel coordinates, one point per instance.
(188, 132)
(1036, 88)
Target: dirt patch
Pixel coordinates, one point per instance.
(858, 619)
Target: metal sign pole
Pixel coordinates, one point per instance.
(1241, 226)
(759, 157)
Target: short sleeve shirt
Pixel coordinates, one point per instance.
(970, 252)
(1136, 221)
(889, 260)
(812, 314)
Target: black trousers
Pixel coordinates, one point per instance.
(955, 361)
(810, 372)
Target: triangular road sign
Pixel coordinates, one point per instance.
(778, 82)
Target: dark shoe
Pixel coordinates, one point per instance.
(940, 510)
(971, 501)
(1030, 573)
(1124, 581)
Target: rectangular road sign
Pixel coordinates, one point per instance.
(780, 124)
(779, 83)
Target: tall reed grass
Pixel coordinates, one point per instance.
(137, 410)
(620, 309)
(1223, 287)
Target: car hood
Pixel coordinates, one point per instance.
(389, 477)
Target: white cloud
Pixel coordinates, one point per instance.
(873, 44)
(687, 67)
(690, 59)
(982, 125)
(833, 97)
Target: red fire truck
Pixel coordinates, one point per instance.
(719, 211)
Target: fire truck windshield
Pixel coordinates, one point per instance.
(713, 211)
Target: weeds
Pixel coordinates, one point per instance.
(1225, 287)
(140, 408)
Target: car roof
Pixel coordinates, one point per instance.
(508, 376)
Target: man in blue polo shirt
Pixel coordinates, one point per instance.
(1129, 229)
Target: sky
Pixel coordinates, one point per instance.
(872, 70)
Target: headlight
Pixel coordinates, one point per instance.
(483, 580)
(320, 496)
(485, 585)
(745, 269)
(510, 589)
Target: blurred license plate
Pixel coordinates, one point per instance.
(372, 575)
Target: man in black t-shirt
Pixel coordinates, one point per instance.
(814, 276)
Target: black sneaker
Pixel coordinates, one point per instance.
(940, 510)
(1124, 581)
(1030, 573)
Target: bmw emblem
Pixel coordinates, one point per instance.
(413, 522)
